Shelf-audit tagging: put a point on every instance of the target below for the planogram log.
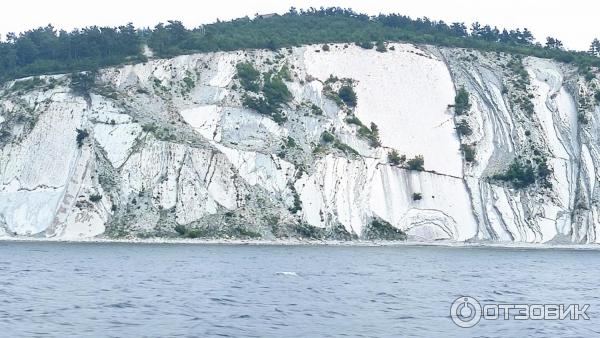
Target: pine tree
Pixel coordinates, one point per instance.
(595, 48)
(553, 43)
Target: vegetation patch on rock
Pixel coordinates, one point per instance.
(382, 230)
(265, 93)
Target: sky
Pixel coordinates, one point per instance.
(575, 22)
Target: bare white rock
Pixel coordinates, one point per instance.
(162, 153)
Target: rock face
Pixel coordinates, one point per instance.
(168, 148)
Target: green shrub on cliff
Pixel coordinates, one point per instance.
(82, 83)
(82, 134)
(394, 158)
(468, 152)
(380, 47)
(380, 229)
(275, 91)
(416, 163)
(249, 77)
(269, 96)
(461, 101)
(520, 175)
(463, 128)
(348, 95)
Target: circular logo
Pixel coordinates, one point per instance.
(465, 311)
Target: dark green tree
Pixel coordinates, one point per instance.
(461, 102)
(348, 96)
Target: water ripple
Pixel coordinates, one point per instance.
(116, 290)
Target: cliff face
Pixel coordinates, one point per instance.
(168, 147)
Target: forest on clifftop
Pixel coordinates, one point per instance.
(47, 51)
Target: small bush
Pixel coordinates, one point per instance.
(325, 48)
(82, 134)
(297, 201)
(95, 198)
(348, 96)
(284, 73)
(516, 65)
(183, 231)
(371, 134)
(518, 174)
(468, 151)
(278, 117)
(164, 134)
(316, 109)
(4, 135)
(543, 170)
(290, 142)
(375, 130)
(395, 159)
(527, 106)
(258, 104)
(318, 149)
(380, 47)
(416, 163)
(327, 137)
(82, 83)
(345, 148)
(249, 76)
(193, 233)
(243, 232)
(180, 229)
(276, 92)
(417, 196)
(331, 79)
(188, 83)
(461, 102)
(463, 128)
(309, 231)
(365, 44)
(352, 119)
(380, 229)
(149, 127)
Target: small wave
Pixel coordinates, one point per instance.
(121, 305)
(222, 300)
(243, 316)
(286, 273)
(405, 317)
(385, 294)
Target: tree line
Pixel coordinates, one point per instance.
(44, 50)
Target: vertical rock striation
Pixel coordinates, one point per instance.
(172, 149)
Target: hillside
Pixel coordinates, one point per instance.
(45, 50)
(309, 141)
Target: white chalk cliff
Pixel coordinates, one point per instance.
(171, 145)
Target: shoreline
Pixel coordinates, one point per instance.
(301, 242)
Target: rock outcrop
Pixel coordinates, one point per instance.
(169, 148)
